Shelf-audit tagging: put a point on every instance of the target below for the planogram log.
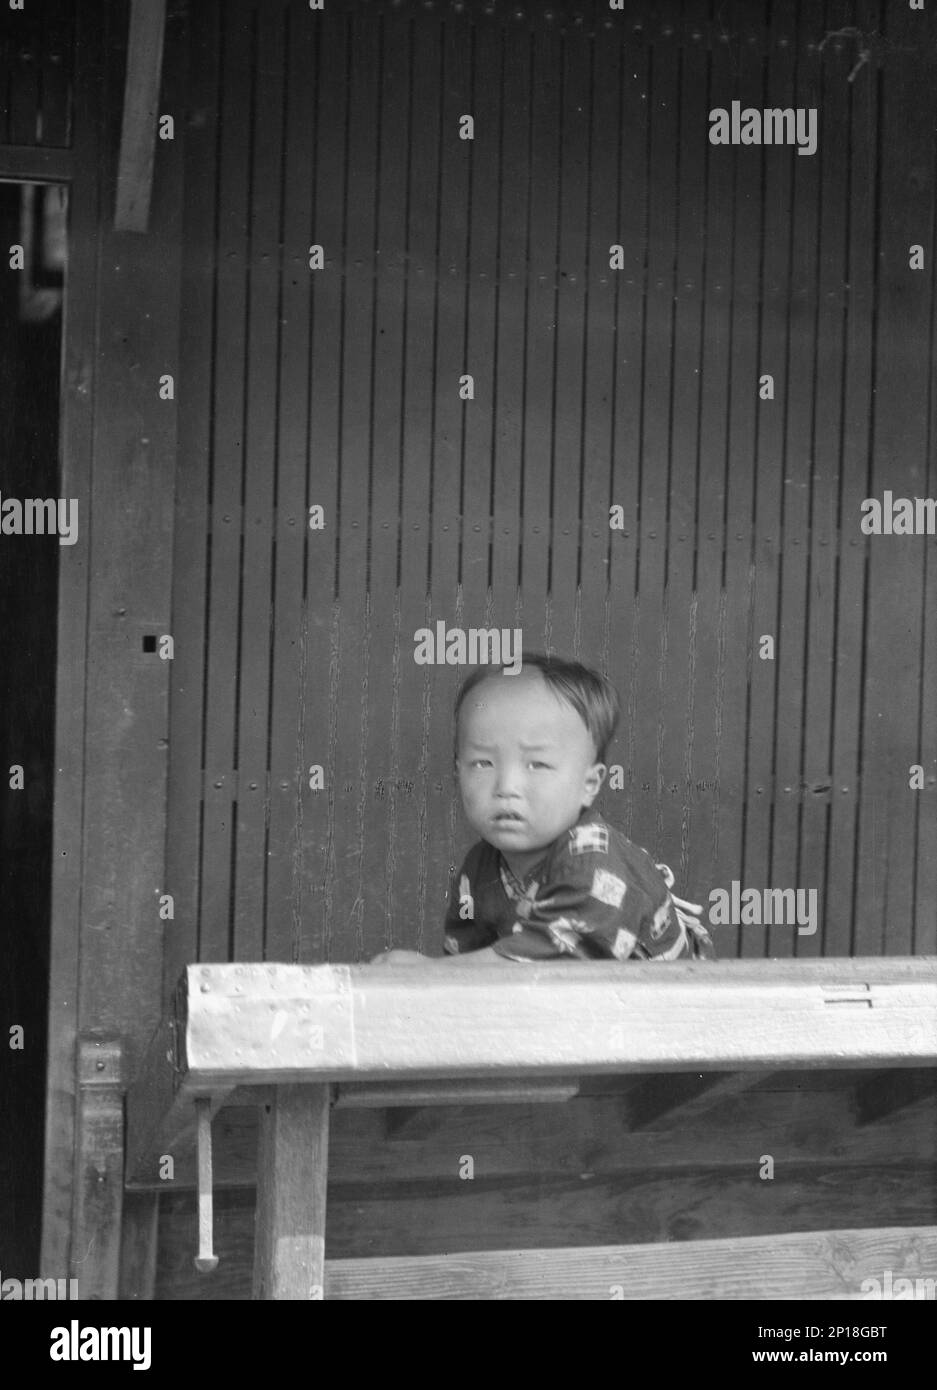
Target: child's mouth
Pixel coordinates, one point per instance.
(506, 818)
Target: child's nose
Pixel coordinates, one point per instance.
(507, 782)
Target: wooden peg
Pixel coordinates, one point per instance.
(206, 1260)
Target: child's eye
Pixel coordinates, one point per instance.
(546, 765)
(480, 762)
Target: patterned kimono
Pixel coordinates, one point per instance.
(594, 895)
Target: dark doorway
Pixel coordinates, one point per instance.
(33, 218)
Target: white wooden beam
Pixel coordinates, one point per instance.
(249, 1024)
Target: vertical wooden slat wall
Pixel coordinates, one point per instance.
(594, 387)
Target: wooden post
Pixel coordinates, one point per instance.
(289, 1240)
(139, 1237)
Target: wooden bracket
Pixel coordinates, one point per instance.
(99, 1188)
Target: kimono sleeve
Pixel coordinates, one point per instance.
(462, 930)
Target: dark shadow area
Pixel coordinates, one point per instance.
(30, 358)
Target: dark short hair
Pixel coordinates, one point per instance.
(592, 696)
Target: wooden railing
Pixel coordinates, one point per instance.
(297, 1040)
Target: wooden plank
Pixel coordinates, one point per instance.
(694, 1269)
(626, 182)
(263, 154)
(708, 648)
(219, 845)
(603, 137)
(512, 1092)
(817, 792)
(118, 933)
(849, 674)
(925, 913)
(544, 130)
(768, 466)
(657, 248)
(798, 468)
(24, 53)
(454, 1214)
(572, 233)
(198, 346)
(35, 164)
(289, 1253)
(361, 263)
(627, 386)
(744, 407)
(482, 56)
(512, 75)
(446, 839)
(389, 782)
(293, 898)
(678, 695)
(898, 441)
(140, 114)
(812, 1115)
(372, 1025)
(822, 1265)
(261, 1025)
(80, 343)
(56, 73)
(160, 1112)
(131, 541)
(420, 894)
(322, 717)
(139, 1237)
(7, 39)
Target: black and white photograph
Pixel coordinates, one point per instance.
(468, 667)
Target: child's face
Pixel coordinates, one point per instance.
(526, 766)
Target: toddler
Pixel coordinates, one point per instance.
(549, 878)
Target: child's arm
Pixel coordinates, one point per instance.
(487, 956)
(467, 941)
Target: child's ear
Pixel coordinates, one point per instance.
(593, 784)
